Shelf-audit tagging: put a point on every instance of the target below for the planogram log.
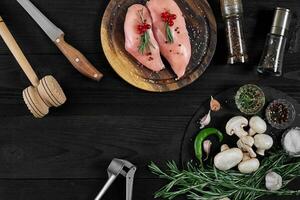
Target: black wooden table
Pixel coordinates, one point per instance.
(65, 155)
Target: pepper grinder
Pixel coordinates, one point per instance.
(232, 12)
(272, 58)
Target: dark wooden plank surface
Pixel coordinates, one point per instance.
(64, 156)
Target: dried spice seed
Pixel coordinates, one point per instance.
(279, 113)
(234, 31)
(168, 18)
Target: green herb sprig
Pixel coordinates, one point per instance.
(144, 43)
(145, 40)
(169, 34)
(168, 19)
(199, 183)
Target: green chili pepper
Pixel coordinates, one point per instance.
(202, 135)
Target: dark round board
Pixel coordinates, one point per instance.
(202, 29)
(219, 120)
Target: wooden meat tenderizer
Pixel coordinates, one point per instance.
(43, 93)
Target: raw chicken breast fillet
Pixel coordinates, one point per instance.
(150, 59)
(177, 53)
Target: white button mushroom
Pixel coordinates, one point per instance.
(257, 125)
(273, 181)
(236, 126)
(224, 147)
(245, 144)
(263, 142)
(228, 158)
(248, 165)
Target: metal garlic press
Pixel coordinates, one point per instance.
(116, 167)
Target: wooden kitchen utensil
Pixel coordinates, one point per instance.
(76, 58)
(43, 93)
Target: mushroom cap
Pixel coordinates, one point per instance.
(263, 141)
(249, 166)
(236, 123)
(228, 159)
(258, 124)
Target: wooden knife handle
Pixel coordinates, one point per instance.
(78, 60)
(17, 53)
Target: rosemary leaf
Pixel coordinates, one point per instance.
(169, 34)
(144, 43)
(212, 184)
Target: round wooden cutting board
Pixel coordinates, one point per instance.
(202, 29)
(219, 120)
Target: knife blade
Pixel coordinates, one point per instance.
(77, 59)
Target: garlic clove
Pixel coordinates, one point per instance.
(207, 147)
(214, 105)
(205, 120)
(273, 181)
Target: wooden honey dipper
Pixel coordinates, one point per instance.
(44, 93)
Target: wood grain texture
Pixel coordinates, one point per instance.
(17, 53)
(78, 60)
(82, 189)
(62, 159)
(201, 26)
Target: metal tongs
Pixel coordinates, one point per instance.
(116, 167)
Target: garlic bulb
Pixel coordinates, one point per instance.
(205, 120)
(291, 142)
(273, 181)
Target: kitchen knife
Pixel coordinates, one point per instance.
(77, 59)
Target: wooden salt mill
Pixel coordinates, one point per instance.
(43, 93)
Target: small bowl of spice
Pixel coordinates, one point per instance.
(250, 99)
(280, 114)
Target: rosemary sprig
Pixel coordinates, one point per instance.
(211, 184)
(169, 34)
(144, 42)
(168, 18)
